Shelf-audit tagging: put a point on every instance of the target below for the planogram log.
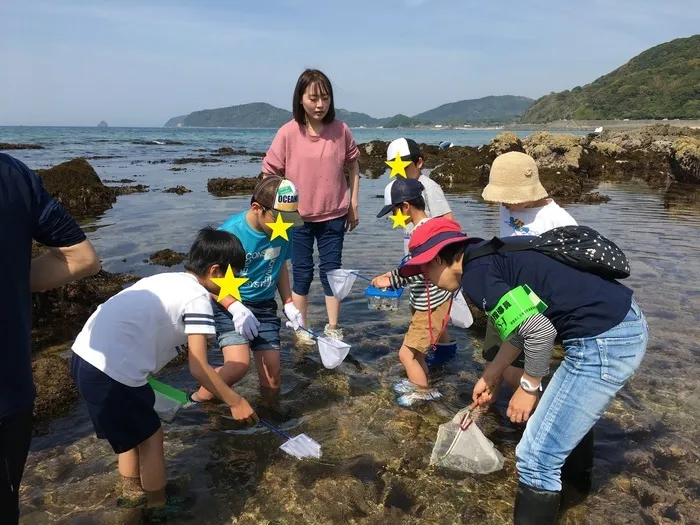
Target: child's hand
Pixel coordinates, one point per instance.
(243, 412)
(382, 281)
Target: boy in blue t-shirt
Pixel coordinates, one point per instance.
(253, 323)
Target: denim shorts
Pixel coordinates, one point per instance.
(265, 312)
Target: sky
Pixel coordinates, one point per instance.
(138, 63)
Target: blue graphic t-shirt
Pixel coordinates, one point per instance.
(263, 260)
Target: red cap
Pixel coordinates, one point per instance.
(428, 239)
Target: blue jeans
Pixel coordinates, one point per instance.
(593, 371)
(329, 236)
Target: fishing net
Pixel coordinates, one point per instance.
(460, 445)
(341, 282)
(332, 351)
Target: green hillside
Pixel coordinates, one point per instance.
(662, 82)
(491, 109)
(255, 115)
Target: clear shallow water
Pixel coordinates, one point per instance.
(375, 463)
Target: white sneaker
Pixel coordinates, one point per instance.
(333, 333)
(304, 338)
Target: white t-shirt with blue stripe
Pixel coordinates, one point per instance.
(139, 330)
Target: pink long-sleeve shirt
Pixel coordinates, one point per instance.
(315, 166)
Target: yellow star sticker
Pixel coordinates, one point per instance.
(279, 228)
(399, 219)
(229, 284)
(398, 166)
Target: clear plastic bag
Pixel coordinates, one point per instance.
(460, 445)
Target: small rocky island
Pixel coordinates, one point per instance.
(102, 124)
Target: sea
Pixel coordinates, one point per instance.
(375, 463)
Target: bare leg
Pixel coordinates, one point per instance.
(236, 364)
(267, 363)
(152, 463)
(129, 463)
(415, 365)
(333, 309)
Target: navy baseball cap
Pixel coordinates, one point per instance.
(400, 190)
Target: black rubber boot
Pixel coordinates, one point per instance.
(535, 507)
(577, 472)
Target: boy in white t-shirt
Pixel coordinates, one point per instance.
(136, 333)
(525, 209)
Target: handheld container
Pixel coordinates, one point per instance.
(378, 299)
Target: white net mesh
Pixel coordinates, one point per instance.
(460, 445)
(341, 282)
(332, 351)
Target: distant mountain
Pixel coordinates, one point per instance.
(492, 109)
(661, 82)
(175, 121)
(255, 115)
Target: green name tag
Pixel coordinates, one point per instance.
(513, 308)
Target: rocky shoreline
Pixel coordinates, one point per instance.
(570, 166)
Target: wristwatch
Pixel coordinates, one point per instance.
(528, 387)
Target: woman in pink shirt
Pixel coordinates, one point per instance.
(312, 151)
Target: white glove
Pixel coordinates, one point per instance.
(243, 319)
(294, 315)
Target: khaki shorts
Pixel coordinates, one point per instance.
(418, 335)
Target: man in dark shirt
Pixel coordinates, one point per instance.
(533, 299)
(28, 211)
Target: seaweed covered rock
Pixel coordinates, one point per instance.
(685, 159)
(196, 160)
(55, 389)
(128, 190)
(6, 146)
(505, 143)
(167, 257)
(225, 187)
(372, 158)
(58, 315)
(76, 185)
(179, 190)
(463, 167)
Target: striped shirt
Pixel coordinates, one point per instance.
(418, 298)
(139, 330)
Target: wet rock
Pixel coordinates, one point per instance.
(6, 146)
(55, 389)
(504, 143)
(167, 257)
(562, 185)
(224, 187)
(177, 169)
(158, 142)
(593, 198)
(606, 148)
(685, 159)
(59, 315)
(180, 190)
(646, 494)
(104, 157)
(76, 185)
(128, 190)
(121, 181)
(362, 384)
(201, 160)
(241, 152)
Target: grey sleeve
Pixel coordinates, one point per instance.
(436, 201)
(536, 337)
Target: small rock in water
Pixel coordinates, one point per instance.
(167, 257)
(180, 190)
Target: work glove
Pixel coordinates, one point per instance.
(294, 315)
(243, 320)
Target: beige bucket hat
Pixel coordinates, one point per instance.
(514, 179)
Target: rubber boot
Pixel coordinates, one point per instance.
(535, 506)
(577, 472)
(443, 353)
